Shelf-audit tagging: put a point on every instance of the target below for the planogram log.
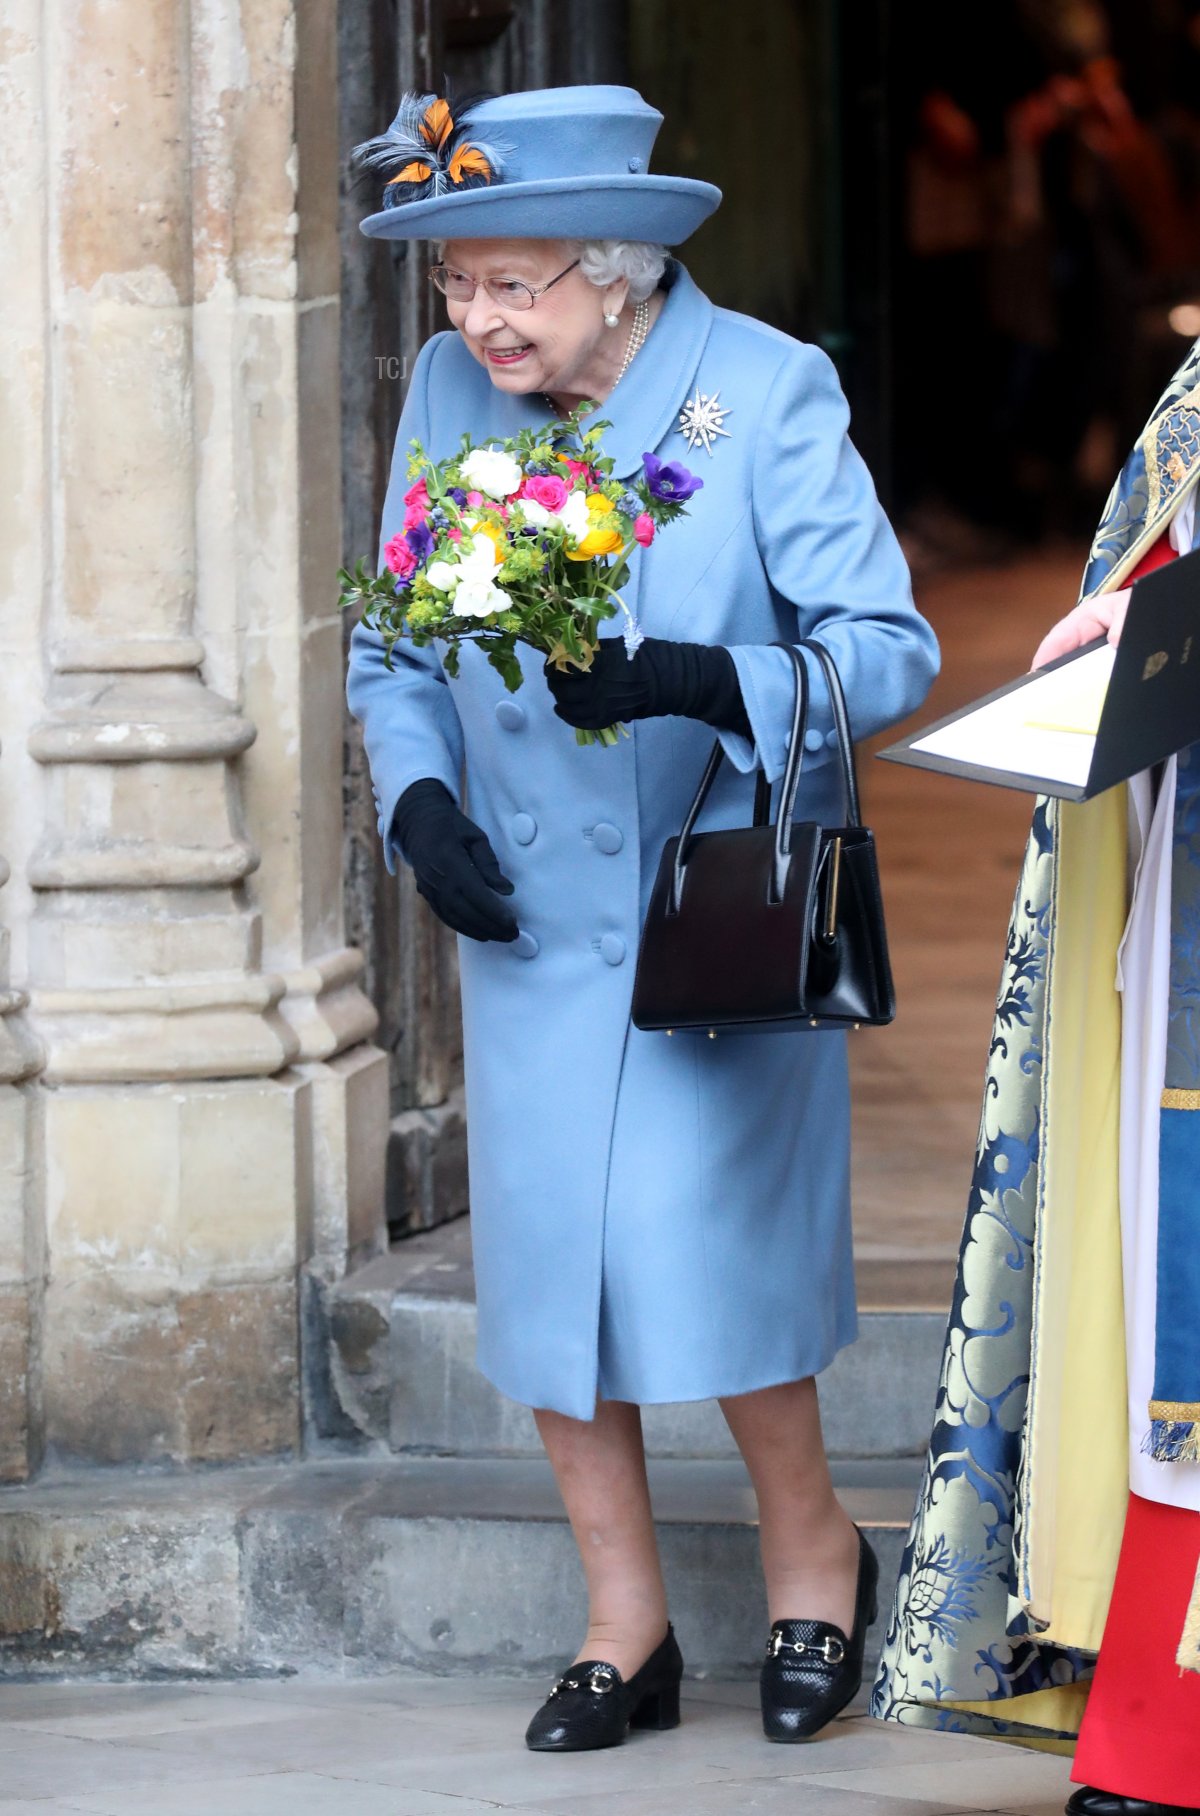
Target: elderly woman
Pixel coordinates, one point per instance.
(653, 1219)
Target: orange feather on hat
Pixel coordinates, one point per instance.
(416, 172)
(468, 160)
(438, 124)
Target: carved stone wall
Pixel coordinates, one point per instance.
(208, 1129)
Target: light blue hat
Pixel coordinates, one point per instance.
(552, 163)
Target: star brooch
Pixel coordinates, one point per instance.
(701, 418)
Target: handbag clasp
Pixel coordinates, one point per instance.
(833, 880)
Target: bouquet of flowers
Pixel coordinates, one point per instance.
(521, 541)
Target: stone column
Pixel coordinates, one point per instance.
(23, 532)
(215, 1119)
(21, 1248)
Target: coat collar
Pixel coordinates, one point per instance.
(644, 405)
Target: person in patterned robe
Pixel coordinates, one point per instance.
(1049, 1590)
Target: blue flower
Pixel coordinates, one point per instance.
(670, 479)
(421, 540)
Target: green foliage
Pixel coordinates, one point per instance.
(547, 600)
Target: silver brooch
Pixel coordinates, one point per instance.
(701, 418)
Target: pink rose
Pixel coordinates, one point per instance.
(643, 529)
(547, 490)
(400, 557)
(474, 499)
(455, 535)
(416, 504)
(580, 468)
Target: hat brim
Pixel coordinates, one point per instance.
(663, 210)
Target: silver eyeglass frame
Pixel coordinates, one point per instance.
(532, 290)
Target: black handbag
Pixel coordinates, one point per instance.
(769, 926)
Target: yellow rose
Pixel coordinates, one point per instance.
(596, 542)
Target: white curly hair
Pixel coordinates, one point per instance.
(603, 262)
(640, 262)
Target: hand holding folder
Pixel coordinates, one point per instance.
(1095, 716)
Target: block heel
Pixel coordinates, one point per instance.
(660, 1710)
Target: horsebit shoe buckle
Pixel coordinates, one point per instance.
(832, 1650)
(599, 1680)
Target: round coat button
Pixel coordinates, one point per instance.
(524, 828)
(612, 949)
(608, 839)
(831, 738)
(813, 740)
(525, 946)
(511, 714)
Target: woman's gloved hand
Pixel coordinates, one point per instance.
(694, 680)
(456, 869)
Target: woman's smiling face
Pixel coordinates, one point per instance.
(561, 344)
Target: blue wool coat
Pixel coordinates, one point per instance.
(654, 1218)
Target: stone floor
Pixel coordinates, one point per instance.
(421, 1746)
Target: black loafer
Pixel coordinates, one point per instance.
(812, 1670)
(1087, 1801)
(592, 1706)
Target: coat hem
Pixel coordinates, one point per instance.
(800, 1371)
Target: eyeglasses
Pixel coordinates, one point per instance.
(457, 287)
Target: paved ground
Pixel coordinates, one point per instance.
(424, 1747)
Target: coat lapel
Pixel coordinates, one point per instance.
(644, 406)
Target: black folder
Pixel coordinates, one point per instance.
(1151, 705)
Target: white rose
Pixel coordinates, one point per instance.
(536, 515)
(492, 471)
(480, 558)
(442, 575)
(478, 598)
(574, 517)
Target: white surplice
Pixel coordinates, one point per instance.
(1143, 978)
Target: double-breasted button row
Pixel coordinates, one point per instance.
(610, 946)
(818, 740)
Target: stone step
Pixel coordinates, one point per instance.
(402, 1349)
(364, 1565)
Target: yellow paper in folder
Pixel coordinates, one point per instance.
(1045, 728)
(1071, 698)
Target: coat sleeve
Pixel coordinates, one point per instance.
(410, 724)
(830, 554)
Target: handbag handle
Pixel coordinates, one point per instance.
(787, 795)
(791, 775)
(841, 725)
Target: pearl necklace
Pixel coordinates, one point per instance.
(637, 335)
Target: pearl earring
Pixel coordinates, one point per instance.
(610, 320)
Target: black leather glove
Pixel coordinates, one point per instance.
(456, 869)
(695, 680)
